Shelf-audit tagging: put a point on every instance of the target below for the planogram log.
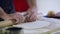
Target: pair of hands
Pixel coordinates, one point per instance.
(31, 15)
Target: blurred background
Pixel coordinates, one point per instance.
(44, 6)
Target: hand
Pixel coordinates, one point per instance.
(18, 17)
(32, 14)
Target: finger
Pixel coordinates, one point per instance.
(33, 17)
(22, 18)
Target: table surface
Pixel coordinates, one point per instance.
(55, 26)
(51, 28)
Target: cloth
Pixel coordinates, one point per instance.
(7, 6)
(20, 5)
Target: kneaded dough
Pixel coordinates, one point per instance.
(6, 23)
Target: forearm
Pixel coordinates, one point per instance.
(31, 3)
(2, 13)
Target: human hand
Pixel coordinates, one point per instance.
(18, 17)
(32, 14)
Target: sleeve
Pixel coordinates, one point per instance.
(7, 5)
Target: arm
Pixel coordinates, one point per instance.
(3, 14)
(32, 11)
(31, 3)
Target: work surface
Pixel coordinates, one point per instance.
(51, 25)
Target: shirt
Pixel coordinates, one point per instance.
(20, 5)
(7, 5)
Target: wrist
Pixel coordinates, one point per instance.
(5, 17)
